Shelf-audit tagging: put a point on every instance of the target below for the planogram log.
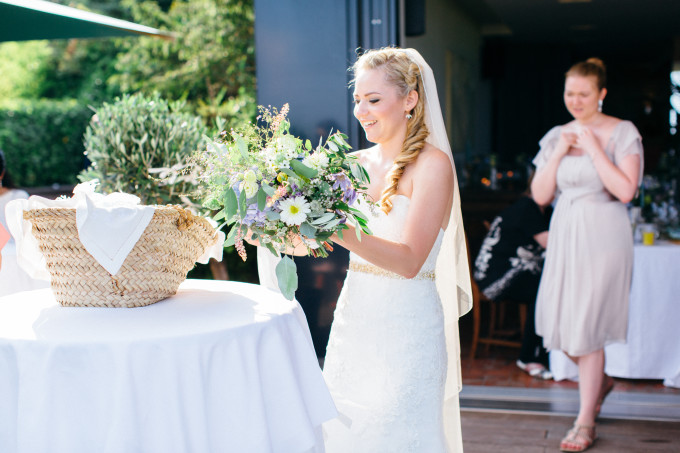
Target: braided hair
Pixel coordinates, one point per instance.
(405, 75)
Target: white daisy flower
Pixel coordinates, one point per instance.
(294, 210)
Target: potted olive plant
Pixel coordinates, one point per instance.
(142, 145)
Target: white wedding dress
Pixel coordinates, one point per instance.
(386, 361)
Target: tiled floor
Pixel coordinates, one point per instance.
(509, 432)
(493, 383)
(498, 368)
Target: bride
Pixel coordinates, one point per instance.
(392, 363)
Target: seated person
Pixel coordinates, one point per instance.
(508, 267)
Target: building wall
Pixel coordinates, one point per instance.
(302, 55)
(452, 45)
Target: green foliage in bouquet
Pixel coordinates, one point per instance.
(270, 186)
(142, 145)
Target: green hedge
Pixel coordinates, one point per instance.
(43, 140)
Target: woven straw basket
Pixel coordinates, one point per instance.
(154, 269)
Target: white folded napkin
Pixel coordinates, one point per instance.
(108, 227)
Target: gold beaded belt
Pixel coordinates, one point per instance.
(368, 268)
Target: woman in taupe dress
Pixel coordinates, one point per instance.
(593, 166)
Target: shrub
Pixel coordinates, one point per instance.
(138, 139)
(211, 64)
(42, 140)
(22, 65)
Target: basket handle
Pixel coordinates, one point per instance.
(185, 219)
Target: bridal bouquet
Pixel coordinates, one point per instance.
(269, 186)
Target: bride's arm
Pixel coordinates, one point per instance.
(430, 203)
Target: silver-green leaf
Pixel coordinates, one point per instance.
(286, 274)
(230, 203)
(261, 199)
(242, 147)
(303, 170)
(307, 230)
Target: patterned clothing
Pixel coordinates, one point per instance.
(509, 265)
(509, 250)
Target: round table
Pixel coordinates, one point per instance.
(652, 350)
(219, 367)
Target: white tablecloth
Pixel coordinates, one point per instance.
(653, 347)
(220, 367)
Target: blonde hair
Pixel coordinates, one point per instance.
(403, 73)
(591, 67)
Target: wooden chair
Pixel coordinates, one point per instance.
(497, 334)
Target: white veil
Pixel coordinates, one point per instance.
(452, 270)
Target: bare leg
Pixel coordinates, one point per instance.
(591, 377)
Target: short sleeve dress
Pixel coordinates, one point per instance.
(582, 302)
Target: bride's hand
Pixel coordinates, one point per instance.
(335, 238)
(249, 240)
(298, 246)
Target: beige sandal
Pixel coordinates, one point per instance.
(579, 438)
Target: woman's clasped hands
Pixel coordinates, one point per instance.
(578, 140)
(588, 142)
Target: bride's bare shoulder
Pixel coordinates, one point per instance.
(433, 165)
(430, 157)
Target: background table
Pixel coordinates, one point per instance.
(653, 348)
(220, 367)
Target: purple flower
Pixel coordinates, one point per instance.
(342, 216)
(237, 189)
(350, 197)
(342, 182)
(254, 215)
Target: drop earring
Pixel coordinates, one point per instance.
(599, 105)
(409, 116)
